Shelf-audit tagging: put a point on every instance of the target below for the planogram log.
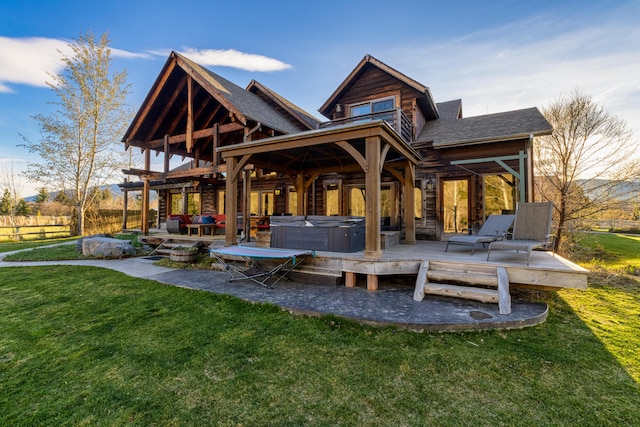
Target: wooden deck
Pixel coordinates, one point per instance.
(545, 272)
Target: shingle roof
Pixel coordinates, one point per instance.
(249, 104)
(311, 121)
(486, 128)
(450, 110)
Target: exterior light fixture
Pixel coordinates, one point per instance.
(429, 184)
(278, 191)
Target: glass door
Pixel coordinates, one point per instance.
(455, 203)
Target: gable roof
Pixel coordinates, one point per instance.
(304, 118)
(249, 104)
(450, 110)
(163, 100)
(444, 133)
(425, 102)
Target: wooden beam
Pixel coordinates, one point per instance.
(383, 155)
(354, 153)
(176, 139)
(189, 173)
(214, 145)
(151, 98)
(166, 108)
(189, 131)
(238, 167)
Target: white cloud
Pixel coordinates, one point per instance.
(28, 60)
(235, 59)
(532, 63)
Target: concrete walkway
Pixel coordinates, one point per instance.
(389, 306)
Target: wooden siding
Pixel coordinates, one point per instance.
(374, 84)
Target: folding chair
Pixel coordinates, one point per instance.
(494, 228)
(531, 230)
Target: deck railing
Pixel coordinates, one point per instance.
(395, 118)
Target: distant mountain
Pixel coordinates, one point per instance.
(113, 188)
(626, 190)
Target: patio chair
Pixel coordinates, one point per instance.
(494, 228)
(531, 230)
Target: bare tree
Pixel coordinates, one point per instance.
(586, 162)
(79, 148)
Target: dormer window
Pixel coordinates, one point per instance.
(372, 107)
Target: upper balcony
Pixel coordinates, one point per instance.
(395, 118)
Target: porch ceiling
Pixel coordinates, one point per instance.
(336, 149)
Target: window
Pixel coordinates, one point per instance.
(332, 199)
(177, 203)
(455, 195)
(293, 201)
(417, 195)
(499, 193)
(357, 201)
(372, 107)
(261, 203)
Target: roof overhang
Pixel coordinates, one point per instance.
(464, 143)
(322, 149)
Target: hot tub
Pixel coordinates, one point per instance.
(320, 233)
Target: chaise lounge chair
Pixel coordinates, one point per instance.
(531, 230)
(494, 228)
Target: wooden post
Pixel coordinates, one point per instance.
(349, 279)
(409, 205)
(246, 208)
(185, 201)
(372, 281)
(373, 248)
(300, 193)
(144, 215)
(231, 203)
(125, 207)
(167, 154)
(215, 142)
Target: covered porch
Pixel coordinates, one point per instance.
(371, 148)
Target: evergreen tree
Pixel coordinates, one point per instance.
(42, 196)
(6, 203)
(22, 208)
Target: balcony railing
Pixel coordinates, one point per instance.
(395, 118)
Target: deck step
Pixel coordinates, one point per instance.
(467, 283)
(167, 245)
(466, 292)
(454, 276)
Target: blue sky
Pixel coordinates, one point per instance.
(495, 55)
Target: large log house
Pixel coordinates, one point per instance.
(388, 152)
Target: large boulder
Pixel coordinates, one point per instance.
(80, 240)
(106, 247)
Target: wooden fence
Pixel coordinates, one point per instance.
(34, 227)
(46, 227)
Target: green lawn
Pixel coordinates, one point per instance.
(614, 251)
(14, 246)
(87, 346)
